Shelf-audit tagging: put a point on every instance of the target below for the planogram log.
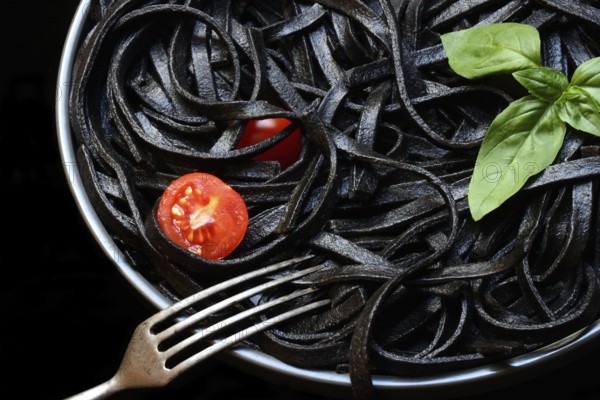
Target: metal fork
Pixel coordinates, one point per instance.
(146, 364)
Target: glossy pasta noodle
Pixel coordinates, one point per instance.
(390, 137)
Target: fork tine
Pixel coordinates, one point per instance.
(241, 335)
(198, 316)
(210, 291)
(207, 332)
(145, 365)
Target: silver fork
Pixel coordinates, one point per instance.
(146, 363)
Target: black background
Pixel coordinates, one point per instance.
(66, 312)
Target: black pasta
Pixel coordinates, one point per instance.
(390, 137)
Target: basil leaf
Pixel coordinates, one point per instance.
(492, 49)
(580, 110)
(587, 77)
(544, 83)
(521, 141)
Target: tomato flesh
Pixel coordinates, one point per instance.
(203, 214)
(286, 152)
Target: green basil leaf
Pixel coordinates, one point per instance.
(580, 110)
(521, 142)
(544, 83)
(492, 49)
(587, 77)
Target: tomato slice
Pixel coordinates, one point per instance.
(286, 152)
(203, 214)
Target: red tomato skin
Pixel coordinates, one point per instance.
(286, 152)
(220, 213)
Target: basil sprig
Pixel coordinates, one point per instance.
(526, 137)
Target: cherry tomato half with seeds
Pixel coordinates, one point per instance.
(286, 151)
(204, 215)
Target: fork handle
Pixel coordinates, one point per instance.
(101, 391)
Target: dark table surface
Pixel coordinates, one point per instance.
(66, 312)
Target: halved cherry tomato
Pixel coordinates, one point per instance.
(286, 152)
(203, 214)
